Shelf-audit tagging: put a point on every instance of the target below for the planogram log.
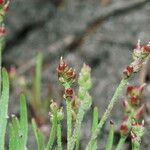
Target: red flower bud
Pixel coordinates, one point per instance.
(2, 30)
(129, 89)
(1, 2)
(146, 48)
(70, 74)
(124, 130)
(62, 66)
(69, 92)
(134, 100)
(128, 71)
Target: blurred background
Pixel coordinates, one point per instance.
(101, 33)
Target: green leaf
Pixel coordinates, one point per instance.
(37, 80)
(4, 107)
(23, 120)
(38, 135)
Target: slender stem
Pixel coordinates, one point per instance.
(94, 125)
(59, 142)
(52, 133)
(0, 66)
(110, 138)
(121, 142)
(76, 133)
(107, 112)
(69, 123)
(135, 147)
(1, 49)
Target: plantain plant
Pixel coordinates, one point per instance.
(76, 105)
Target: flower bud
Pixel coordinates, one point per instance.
(70, 74)
(53, 106)
(69, 92)
(146, 48)
(2, 30)
(128, 71)
(62, 66)
(134, 100)
(124, 130)
(1, 2)
(60, 114)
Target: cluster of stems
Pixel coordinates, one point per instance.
(78, 105)
(140, 55)
(56, 115)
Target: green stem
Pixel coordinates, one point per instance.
(76, 133)
(94, 125)
(59, 142)
(121, 142)
(135, 147)
(0, 66)
(107, 112)
(52, 132)
(69, 123)
(110, 138)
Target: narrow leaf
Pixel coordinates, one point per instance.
(38, 135)
(23, 120)
(94, 125)
(11, 137)
(110, 137)
(4, 107)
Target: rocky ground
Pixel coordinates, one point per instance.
(101, 33)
